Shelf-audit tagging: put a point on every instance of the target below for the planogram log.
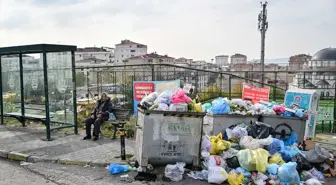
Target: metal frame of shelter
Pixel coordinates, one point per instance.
(42, 49)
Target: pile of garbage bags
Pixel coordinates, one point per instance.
(241, 156)
(167, 101)
(179, 101)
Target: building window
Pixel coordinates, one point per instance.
(322, 94)
(133, 50)
(327, 94)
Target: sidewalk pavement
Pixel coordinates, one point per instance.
(327, 141)
(27, 144)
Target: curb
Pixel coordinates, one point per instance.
(4, 154)
(17, 156)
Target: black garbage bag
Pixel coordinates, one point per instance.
(302, 163)
(259, 130)
(233, 162)
(144, 176)
(224, 131)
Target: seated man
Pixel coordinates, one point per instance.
(100, 113)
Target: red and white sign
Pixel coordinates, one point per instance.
(255, 94)
(142, 89)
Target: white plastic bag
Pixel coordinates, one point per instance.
(175, 172)
(214, 160)
(149, 98)
(313, 182)
(206, 144)
(249, 142)
(231, 152)
(238, 132)
(163, 107)
(217, 175)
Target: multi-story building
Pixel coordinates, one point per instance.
(198, 80)
(199, 64)
(222, 60)
(183, 62)
(101, 53)
(11, 62)
(297, 62)
(321, 80)
(11, 70)
(151, 58)
(128, 49)
(238, 59)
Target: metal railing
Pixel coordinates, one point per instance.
(117, 81)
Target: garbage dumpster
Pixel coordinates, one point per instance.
(166, 137)
(216, 123)
(298, 125)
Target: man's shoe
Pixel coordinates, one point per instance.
(87, 137)
(95, 138)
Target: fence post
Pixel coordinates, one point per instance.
(1, 97)
(275, 86)
(229, 87)
(97, 81)
(101, 81)
(334, 106)
(196, 80)
(174, 73)
(153, 74)
(304, 80)
(221, 85)
(247, 77)
(87, 85)
(322, 126)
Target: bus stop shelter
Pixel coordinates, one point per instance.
(38, 84)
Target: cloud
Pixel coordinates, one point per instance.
(196, 29)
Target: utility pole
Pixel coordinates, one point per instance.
(262, 27)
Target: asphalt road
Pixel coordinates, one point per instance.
(11, 173)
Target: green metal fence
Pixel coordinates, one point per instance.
(208, 83)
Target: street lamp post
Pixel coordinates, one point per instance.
(262, 27)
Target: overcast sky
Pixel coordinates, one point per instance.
(198, 29)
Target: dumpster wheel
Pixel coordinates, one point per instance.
(282, 131)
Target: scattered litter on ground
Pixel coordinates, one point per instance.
(23, 163)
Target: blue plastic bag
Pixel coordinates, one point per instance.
(288, 114)
(117, 169)
(287, 173)
(289, 152)
(317, 174)
(300, 113)
(243, 171)
(220, 106)
(272, 168)
(276, 147)
(164, 97)
(291, 140)
(112, 117)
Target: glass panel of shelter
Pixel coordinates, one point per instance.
(33, 84)
(60, 87)
(10, 83)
